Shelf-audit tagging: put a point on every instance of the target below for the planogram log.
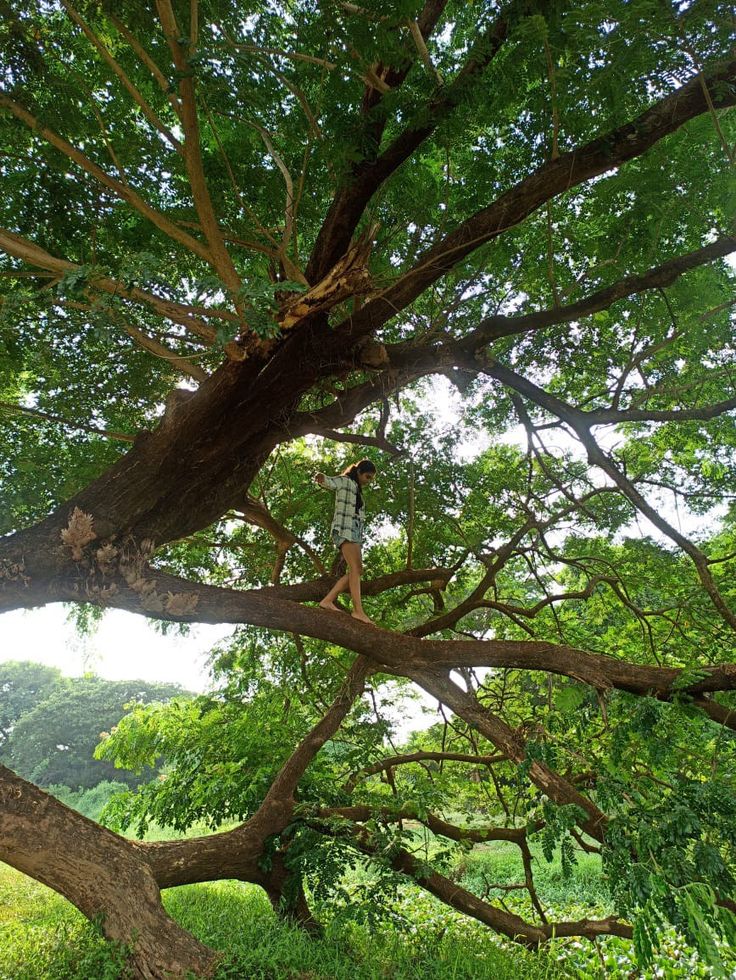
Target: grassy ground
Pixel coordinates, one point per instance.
(583, 893)
(43, 937)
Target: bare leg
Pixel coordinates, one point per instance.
(351, 551)
(329, 600)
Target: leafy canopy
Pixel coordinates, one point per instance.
(484, 243)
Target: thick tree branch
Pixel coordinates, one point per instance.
(356, 439)
(142, 339)
(361, 813)
(548, 181)
(351, 199)
(27, 251)
(346, 406)
(439, 827)
(466, 706)
(604, 416)
(401, 653)
(581, 425)
(717, 712)
(349, 404)
(494, 327)
(167, 597)
(105, 876)
(409, 361)
(177, 361)
(452, 894)
(422, 756)
(235, 853)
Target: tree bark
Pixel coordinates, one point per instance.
(285, 890)
(106, 877)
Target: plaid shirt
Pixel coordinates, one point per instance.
(346, 523)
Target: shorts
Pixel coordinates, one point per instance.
(339, 536)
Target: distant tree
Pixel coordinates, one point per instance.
(23, 684)
(55, 741)
(90, 802)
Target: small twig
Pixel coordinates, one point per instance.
(126, 82)
(143, 55)
(67, 423)
(277, 159)
(553, 87)
(423, 51)
(292, 55)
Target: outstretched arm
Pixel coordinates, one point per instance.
(328, 482)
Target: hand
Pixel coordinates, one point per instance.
(320, 478)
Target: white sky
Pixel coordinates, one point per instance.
(124, 646)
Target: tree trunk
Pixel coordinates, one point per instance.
(102, 874)
(285, 891)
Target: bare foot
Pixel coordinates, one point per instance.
(328, 605)
(363, 618)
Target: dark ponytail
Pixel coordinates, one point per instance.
(364, 466)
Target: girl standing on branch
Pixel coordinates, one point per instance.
(347, 530)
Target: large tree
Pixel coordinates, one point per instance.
(303, 213)
(54, 740)
(23, 685)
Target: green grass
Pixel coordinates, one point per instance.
(43, 937)
(582, 893)
(258, 945)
